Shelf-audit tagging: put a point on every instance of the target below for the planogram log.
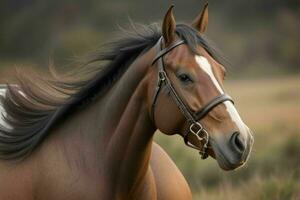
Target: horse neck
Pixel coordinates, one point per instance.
(124, 129)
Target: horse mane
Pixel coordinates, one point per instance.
(36, 103)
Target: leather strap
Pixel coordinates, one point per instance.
(210, 105)
(163, 80)
(161, 53)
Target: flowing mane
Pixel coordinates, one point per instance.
(36, 105)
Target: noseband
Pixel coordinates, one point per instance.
(195, 127)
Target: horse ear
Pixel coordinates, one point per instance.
(169, 26)
(201, 21)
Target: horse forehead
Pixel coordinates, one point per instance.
(207, 68)
(180, 56)
(210, 59)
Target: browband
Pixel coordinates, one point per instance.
(166, 50)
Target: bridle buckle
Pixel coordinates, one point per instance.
(162, 75)
(196, 128)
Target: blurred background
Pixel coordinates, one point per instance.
(259, 38)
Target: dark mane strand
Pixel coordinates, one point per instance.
(36, 104)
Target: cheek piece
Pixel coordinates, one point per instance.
(193, 118)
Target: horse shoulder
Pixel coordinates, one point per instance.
(170, 183)
(17, 180)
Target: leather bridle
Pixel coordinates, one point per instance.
(195, 127)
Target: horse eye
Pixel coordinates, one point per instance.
(184, 78)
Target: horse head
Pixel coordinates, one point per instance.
(187, 95)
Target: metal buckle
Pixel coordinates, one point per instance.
(206, 137)
(162, 75)
(196, 128)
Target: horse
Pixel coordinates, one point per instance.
(88, 134)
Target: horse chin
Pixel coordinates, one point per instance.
(225, 164)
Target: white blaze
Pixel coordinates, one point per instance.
(234, 115)
(205, 66)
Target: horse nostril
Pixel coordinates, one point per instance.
(237, 143)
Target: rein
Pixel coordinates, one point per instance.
(195, 127)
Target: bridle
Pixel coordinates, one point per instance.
(195, 127)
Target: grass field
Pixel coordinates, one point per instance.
(271, 108)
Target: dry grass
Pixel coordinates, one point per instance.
(272, 188)
(271, 109)
(265, 102)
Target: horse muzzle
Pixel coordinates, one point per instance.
(232, 153)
